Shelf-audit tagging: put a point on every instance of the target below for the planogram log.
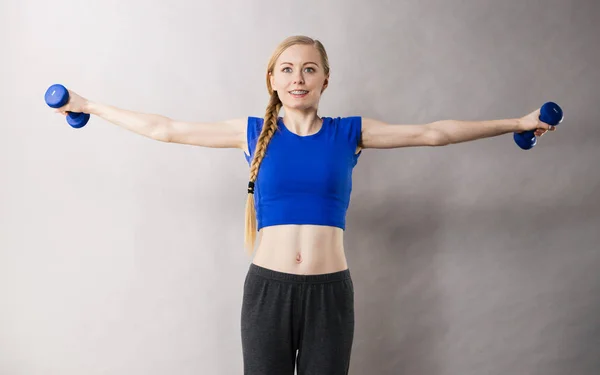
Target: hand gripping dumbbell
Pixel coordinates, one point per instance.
(57, 96)
(551, 114)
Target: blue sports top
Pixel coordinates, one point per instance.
(305, 179)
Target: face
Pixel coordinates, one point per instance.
(299, 67)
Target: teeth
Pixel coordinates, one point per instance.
(298, 92)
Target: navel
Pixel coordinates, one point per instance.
(298, 258)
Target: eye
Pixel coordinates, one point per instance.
(288, 70)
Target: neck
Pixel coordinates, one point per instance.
(302, 122)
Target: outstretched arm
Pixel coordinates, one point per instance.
(377, 134)
(225, 134)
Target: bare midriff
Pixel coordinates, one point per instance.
(301, 249)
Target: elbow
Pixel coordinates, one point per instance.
(436, 138)
(161, 132)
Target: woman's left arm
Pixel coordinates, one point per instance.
(377, 134)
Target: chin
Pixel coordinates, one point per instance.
(300, 106)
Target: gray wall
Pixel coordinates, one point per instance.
(122, 255)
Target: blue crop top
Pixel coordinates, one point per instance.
(305, 179)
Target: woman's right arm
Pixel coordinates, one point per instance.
(225, 134)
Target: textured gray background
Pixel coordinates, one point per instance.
(122, 255)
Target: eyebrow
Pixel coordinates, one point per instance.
(310, 62)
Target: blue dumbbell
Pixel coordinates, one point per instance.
(57, 96)
(551, 114)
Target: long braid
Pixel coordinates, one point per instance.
(266, 134)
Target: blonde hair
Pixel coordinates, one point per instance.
(269, 127)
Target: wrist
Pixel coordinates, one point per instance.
(519, 125)
(90, 107)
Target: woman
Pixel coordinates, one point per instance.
(298, 303)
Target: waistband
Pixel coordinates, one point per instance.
(297, 278)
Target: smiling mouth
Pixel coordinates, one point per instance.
(299, 92)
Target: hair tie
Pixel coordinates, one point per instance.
(251, 187)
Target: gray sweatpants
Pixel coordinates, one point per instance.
(283, 313)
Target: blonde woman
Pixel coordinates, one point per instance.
(298, 299)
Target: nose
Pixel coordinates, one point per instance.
(298, 78)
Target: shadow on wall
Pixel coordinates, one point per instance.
(397, 294)
(493, 301)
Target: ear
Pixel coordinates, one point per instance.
(271, 79)
(325, 84)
